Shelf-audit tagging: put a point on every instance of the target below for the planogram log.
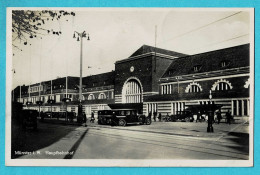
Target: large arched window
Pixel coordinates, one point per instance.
(132, 91)
(91, 97)
(221, 85)
(193, 87)
(102, 96)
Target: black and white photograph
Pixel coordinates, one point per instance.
(130, 87)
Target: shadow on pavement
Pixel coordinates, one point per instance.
(242, 141)
(30, 140)
(75, 146)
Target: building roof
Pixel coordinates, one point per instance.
(234, 57)
(148, 49)
(104, 79)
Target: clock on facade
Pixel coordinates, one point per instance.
(132, 69)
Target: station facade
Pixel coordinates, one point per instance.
(162, 81)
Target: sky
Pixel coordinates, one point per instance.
(116, 33)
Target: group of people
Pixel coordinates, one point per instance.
(228, 116)
(92, 119)
(217, 117)
(155, 116)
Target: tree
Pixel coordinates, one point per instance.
(28, 24)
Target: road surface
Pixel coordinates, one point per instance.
(53, 141)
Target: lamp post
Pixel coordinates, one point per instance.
(51, 101)
(66, 100)
(210, 114)
(80, 38)
(39, 103)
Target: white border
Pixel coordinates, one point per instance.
(123, 162)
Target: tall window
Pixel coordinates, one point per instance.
(166, 89)
(102, 96)
(91, 97)
(132, 92)
(193, 87)
(222, 86)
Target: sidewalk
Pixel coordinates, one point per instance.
(191, 129)
(61, 121)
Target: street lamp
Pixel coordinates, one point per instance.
(28, 103)
(210, 114)
(51, 101)
(80, 37)
(66, 100)
(39, 103)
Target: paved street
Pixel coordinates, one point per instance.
(161, 140)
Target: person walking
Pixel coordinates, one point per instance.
(92, 117)
(228, 116)
(85, 118)
(219, 117)
(154, 116)
(160, 117)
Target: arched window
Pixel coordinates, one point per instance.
(91, 97)
(102, 96)
(222, 85)
(193, 87)
(132, 91)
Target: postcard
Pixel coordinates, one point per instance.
(130, 87)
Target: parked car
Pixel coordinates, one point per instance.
(29, 118)
(104, 117)
(122, 117)
(184, 116)
(47, 115)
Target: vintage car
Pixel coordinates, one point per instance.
(104, 117)
(29, 118)
(122, 117)
(184, 116)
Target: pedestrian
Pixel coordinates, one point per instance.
(85, 118)
(154, 116)
(92, 117)
(167, 117)
(219, 117)
(113, 121)
(228, 116)
(160, 117)
(150, 115)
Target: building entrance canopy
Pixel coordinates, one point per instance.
(121, 106)
(203, 108)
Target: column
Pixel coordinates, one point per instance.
(237, 108)
(248, 107)
(174, 108)
(232, 107)
(147, 109)
(242, 106)
(171, 108)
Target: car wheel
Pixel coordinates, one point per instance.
(148, 121)
(187, 119)
(121, 122)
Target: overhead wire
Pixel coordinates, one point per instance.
(240, 36)
(202, 27)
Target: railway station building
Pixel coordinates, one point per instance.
(160, 80)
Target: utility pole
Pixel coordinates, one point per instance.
(80, 38)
